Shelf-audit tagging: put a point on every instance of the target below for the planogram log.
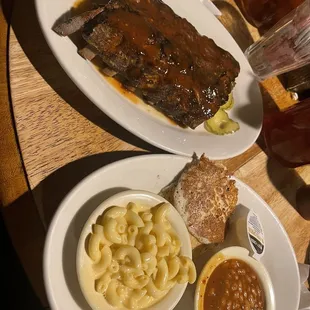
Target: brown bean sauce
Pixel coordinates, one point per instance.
(234, 285)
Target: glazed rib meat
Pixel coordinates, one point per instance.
(181, 73)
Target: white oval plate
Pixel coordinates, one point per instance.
(139, 119)
(84, 263)
(151, 173)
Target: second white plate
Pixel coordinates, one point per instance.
(151, 173)
(139, 118)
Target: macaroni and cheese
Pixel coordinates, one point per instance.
(135, 255)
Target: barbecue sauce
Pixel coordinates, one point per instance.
(133, 97)
(81, 6)
(99, 64)
(158, 36)
(200, 74)
(137, 31)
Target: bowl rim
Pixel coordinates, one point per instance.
(234, 252)
(154, 199)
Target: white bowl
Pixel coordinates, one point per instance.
(83, 262)
(234, 253)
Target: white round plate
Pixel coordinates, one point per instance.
(151, 173)
(84, 263)
(140, 119)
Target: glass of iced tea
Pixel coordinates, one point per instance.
(287, 135)
(283, 48)
(263, 14)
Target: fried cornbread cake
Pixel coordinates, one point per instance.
(205, 196)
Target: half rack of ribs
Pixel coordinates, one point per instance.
(183, 74)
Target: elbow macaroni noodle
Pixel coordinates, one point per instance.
(136, 256)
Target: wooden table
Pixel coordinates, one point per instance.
(56, 136)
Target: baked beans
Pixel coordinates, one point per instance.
(234, 285)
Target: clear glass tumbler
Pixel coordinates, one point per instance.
(283, 48)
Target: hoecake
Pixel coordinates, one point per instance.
(205, 196)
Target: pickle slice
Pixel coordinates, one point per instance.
(221, 124)
(229, 104)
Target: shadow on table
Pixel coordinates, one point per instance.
(32, 41)
(52, 190)
(251, 113)
(12, 220)
(25, 216)
(7, 6)
(286, 180)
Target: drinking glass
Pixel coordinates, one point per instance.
(263, 14)
(283, 48)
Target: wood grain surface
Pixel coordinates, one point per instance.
(19, 210)
(13, 183)
(63, 137)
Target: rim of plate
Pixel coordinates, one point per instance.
(76, 188)
(132, 129)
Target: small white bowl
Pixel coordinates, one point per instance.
(234, 253)
(83, 262)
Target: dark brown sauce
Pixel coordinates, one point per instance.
(99, 64)
(81, 6)
(133, 27)
(139, 32)
(159, 16)
(118, 86)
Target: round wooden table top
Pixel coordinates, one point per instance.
(63, 136)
